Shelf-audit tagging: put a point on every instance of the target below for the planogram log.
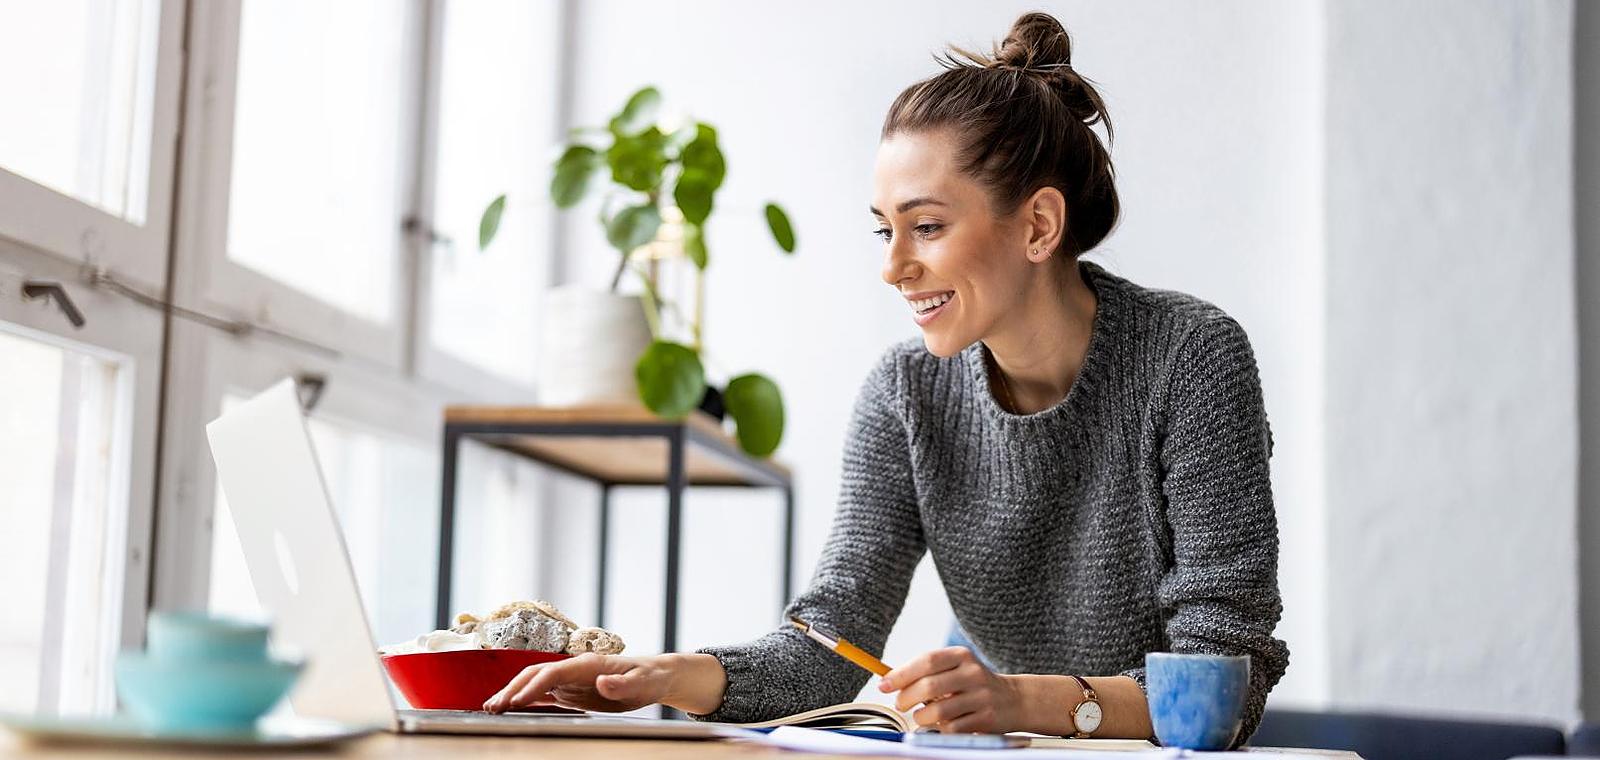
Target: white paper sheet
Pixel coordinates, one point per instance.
(815, 740)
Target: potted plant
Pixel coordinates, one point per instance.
(660, 191)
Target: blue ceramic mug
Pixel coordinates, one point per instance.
(1196, 700)
(186, 635)
(202, 674)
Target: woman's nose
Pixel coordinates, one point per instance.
(897, 264)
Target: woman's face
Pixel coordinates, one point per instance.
(960, 266)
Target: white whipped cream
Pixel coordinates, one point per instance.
(437, 641)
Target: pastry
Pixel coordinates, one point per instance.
(537, 625)
(597, 640)
(526, 628)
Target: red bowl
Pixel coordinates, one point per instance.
(459, 680)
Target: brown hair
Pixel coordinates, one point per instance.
(1024, 119)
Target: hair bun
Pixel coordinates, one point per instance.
(1035, 40)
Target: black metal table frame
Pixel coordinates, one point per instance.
(678, 436)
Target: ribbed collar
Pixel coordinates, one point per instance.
(1108, 321)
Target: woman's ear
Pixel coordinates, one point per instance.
(1046, 214)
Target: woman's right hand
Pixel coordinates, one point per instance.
(614, 683)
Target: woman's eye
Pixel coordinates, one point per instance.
(884, 233)
(928, 229)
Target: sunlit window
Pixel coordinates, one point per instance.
(496, 132)
(62, 504)
(385, 493)
(318, 148)
(76, 78)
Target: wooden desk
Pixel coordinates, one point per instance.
(442, 747)
(612, 446)
(427, 747)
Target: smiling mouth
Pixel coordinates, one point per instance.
(925, 305)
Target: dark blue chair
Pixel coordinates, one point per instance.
(1377, 736)
(1585, 741)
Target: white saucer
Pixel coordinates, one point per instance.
(122, 729)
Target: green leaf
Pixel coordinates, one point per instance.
(693, 195)
(637, 161)
(640, 112)
(574, 172)
(694, 245)
(702, 154)
(782, 231)
(489, 223)
(670, 379)
(632, 227)
(756, 406)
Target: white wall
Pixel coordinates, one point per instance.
(1380, 193)
(1451, 378)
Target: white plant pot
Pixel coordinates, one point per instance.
(588, 345)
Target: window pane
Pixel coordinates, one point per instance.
(497, 556)
(385, 492)
(62, 548)
(76, 78)
(496, 133)
(317, 186)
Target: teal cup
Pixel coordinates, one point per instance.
(1196, 700)
(197, 636)
(202, 674)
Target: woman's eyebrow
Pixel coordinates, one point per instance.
(905, 206)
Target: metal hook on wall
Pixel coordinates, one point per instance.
(52, 290)
(309, 386)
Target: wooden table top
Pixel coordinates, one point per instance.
(426, 747)
(712, 457)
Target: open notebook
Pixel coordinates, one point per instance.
(854, 715)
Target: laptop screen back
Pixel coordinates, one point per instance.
(296, 555)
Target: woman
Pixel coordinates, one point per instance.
(1085, 458)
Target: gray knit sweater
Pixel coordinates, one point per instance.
(1134, 516)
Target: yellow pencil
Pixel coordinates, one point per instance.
(841, 647)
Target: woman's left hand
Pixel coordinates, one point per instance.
(960, 694)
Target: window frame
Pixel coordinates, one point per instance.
(384, 378)
(232, 288)
(129, 335)
(56, 223)
(432, 362)
(355, 395)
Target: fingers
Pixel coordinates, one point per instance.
(966, 677)
(533, 685)
(924, 665)
(947, 713)
(498, 702)
(537, 690)
(926, 690)
(980, 721)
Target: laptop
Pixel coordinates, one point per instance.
(295, 552)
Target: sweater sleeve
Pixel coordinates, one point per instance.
(1220, 592)
(860, 583)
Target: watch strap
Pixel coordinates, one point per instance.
(1088, 696)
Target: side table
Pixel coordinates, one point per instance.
(612, 446)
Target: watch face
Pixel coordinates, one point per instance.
(1087, 716)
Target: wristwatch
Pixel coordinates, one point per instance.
(1086, 716)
